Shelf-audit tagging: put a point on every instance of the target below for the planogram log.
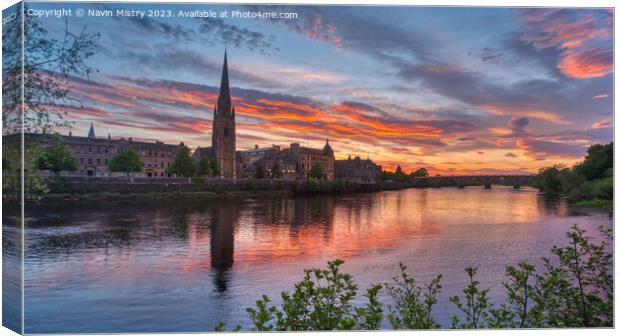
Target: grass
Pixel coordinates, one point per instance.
(594, 203)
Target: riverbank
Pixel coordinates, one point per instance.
(168, 195)
(596, 203)
(148, 189)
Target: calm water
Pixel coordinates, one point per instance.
(183, 266)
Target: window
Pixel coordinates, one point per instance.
(90, 149)
(81, 160)
(106, 162)
(90, 161)
(98, 162)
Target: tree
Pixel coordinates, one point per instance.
(259, 172)
(56, 158)
(549, 179)
(398, 175)
(126, 161)
(276, 172)
(316, 171)
(215, 169)
(34, 183)
(47, 66)
(422, 172)
(600, 158)
(183, 164)
(204, 166)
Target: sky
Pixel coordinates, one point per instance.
(457, 90)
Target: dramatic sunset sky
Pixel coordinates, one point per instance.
(456, 90)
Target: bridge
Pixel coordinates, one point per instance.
(462, 181)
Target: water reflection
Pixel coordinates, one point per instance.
(283, 229)
(263, 231)
(211, 258)
(223, 242)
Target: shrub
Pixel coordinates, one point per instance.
(311, 185)
(321, 301)
(198, 182)
(574, 290)
(604, 188)
(412, 304)
(582, 192)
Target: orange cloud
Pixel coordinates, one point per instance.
(574, 33)
(587, 64)
(603, 124)
(524, 111)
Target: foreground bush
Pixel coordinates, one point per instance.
(575, 289)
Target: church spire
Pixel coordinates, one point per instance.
(91, 132)
(223, 101)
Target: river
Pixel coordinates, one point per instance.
(182, 266)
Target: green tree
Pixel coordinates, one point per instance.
(599, 159)
(316, 171)
(422, 172)
(549, 179)
(45, 71)
(276, 172)
(34, 184)
(215, 169)
(204, 166)
(183, 164)
(259, 172)
(590, 180)
(126, 161)
(57, 158)
(398, 175)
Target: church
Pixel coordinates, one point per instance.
(295, 162)
(223, 144)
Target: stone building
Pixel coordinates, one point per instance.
(306, 157)
(93, 154)
(267, 157)
(223, 138)
(357, 170)
(294, 162)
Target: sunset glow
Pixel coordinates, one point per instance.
(427, 87)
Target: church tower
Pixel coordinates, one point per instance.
(223, 138)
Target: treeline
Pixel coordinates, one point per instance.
(588, 183)
(575, 289)
(399, 176)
